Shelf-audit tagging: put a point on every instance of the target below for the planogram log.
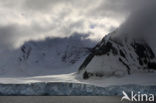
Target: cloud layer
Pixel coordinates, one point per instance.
(23, 20)
(33, 19)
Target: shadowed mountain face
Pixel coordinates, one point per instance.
(66, 50)
(47, 57)
(118, 56)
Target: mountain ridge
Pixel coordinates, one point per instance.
(116, 55)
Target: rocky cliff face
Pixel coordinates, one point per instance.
(118, 56)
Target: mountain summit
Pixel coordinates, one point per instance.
(118, 55)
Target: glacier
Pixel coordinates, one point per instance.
(69, 89)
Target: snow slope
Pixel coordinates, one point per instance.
(144, 79)
(46, 57)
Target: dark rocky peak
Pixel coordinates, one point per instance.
(118, 54)
(25, 52)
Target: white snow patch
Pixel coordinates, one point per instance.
(108, 65)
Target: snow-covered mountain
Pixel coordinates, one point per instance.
(46, 57)
(118, 55)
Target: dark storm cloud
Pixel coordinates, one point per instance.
(142, 21)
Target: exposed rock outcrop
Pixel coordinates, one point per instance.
(118, 56)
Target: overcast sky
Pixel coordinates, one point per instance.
(22, 20)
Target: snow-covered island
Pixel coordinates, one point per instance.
(79, 66)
